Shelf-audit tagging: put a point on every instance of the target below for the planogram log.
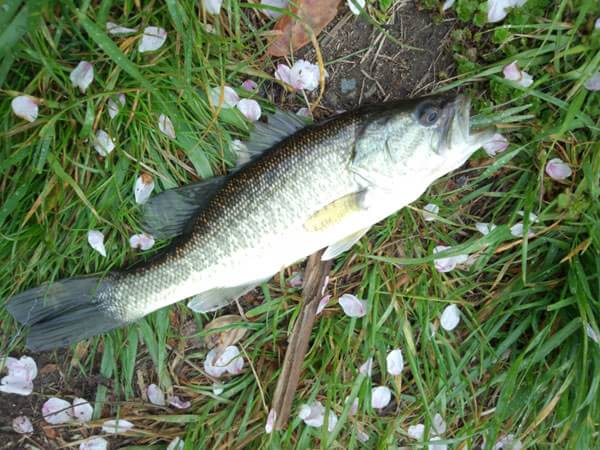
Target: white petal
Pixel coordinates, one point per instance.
(283, 73)
(271, 418)
(249, 85)
(450, 317)
(592, 334)
(22, 425)
(557, 169)
(231, 360)
(217, 389)
(16, 385)
(230, 97)
(153, 39)
(296, 280)
(82, 410)
(103, 143)
(277, 4)
(176, 444)
(533, 218)
(250, 109)
(513, 73)
(416, 431)
(526, 80)
(367, 367)
(142, 241)
(323, 303)
(437, 446)
(212, 6)
(143, 187)
(313, 414)
(114, 28)
(94, 443)
(508, 442)
(395, 362)
(304, 112)
(448, 263)
(304, 75)
(593, 82)
(352, 306)
(496, 144)
(439, 426)
(166, 126)
(362, 436)
(210, 366)
(447, 5)
(380, 397)
(325, 284)
(115, 106)
(355, 6)
(24, 368)
(82, 75)
(331, 421)
(96, 241)
(354, 407)
(56, 411)
(597, 24)
(498, 9)
(176, 402)
(25, 107)
(117, 426)
(485, 228)
(430, 211)
(517, 230)
(156, 395)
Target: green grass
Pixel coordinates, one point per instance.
(520, 362)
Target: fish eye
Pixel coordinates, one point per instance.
(429, 115)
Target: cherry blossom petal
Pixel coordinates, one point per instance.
(354, 407)
(485, 228)
(82, 410)
(304, 75)
(115, 106)
(593, 82)
(271, 419)
(592, 334)
(352, 306)
(395, 362)
(450, 317)
(437, 446)
(212, 6)
(498, 9)
(313, 414)
(25, 107)
(367, 367)
(176, 444)
(156, 395)
(513, 73)
(82, 76)
(231, 360)
(166, 126)
(439, 425)
(103, 143)
(508, 442)
(517, 230)
(533, 218)
(217, 389)
(250, 109)
(323, 303)
(230, 97)
(96, 241)
(325, 284)
(304, 112)
(356, 6)
(296, 280)
(430, 212)
(142, 241)
(448, 263)
(380, 397)
(249, 85)
(15, 385)
(94, 443)
(57, 411)
(496, 144)
(152, 39)
(447, 5)
(362, 436)
(24, 367)
(283, 73)
(22, 425)
(416, 431)
(210, 366)
(332, 420)
(597, 25)
(277, 4)
(143, 187)
(117, 426)
(558, 170)
(115, 28)
(176, 402)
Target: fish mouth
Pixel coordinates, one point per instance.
(456, 132)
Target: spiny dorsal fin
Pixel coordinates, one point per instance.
(280, 125)
(166, 215)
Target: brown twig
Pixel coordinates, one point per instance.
(314, 278)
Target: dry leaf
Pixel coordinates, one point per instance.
(224, 338)
(315, 14)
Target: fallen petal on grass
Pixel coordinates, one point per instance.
(96, 241)
(498, 9)
(366, 368)
(103, 143)
(448, 263)
(416, 431)
(115, 106)
(271, 419)
(558, 170)
(152, 39)
(25, 107)
(275, 3)
(117, 426)
(82, 76)
(141, 241)
(229, 100)
(114, 28)
(176, 444)
(313, 414)
(176, 402)
(356, 6)
(82, 410)
(22, 425)
(380, 397)
(513, 73)
(395, 362)
(250, 109)
(497, 144)
(508, 442)
(94, 443)
(352, 306)
(430, 212)
(143, 187)
(450, 317)
(155, 394)
(323, 303)
(57, 411)
(212, 6)
(166, 126)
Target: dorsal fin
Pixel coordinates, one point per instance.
(279, 125)
(167, 214)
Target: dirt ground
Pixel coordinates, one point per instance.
(364, 67)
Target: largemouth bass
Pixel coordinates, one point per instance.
(319, 186)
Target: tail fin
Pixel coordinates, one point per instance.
(64, 312)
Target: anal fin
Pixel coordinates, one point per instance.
(218, 298)
(340, 247)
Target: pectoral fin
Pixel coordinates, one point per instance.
(341, 246)
(220, 297)
(336, 212)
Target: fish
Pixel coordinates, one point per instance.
(302, 189)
